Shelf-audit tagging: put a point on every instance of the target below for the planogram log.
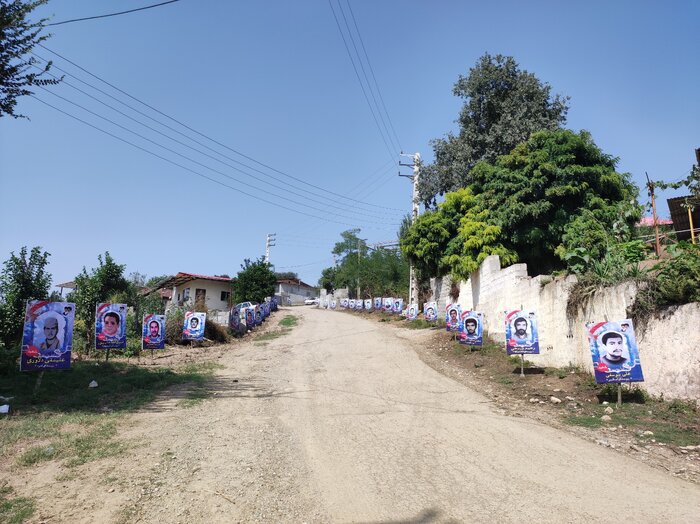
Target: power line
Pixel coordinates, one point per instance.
(113, 14)
(364, 92)
(197, 173)
(371, 69)
(213, 140)
(376, 216)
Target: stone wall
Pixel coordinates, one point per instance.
(669, 346)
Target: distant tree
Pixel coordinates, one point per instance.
(254, 282)
(328, 280)
(23, 278)
(154, 281)
(503, 106)
(18, 71)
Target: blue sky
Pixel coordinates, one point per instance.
(273, 81)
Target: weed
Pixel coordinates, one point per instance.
(270, 335)
(194, 396)
(587, 421)
(14, 510)
(419, 323)
(288, 321)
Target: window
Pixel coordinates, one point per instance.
(225, 295)
(186, 294)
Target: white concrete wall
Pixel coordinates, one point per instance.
(669, 347)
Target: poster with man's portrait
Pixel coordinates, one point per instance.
(250, 317)
(153, 331)
(368, 304)
(351, 303)
(265, 307)
(258, 315)
(472, 328)
(398, 306)
(334, 304)
(344, 303)
(234, 319)
(521, 333)
(412, 312)
(430, 312)
(359, 304)
(378, 303)
(273, 304)
(110, 326)
(47, 337)
(453, 317)
(614, 352)
(193, 325)
(388, 304)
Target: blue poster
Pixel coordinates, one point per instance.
(430, 311)
(273, 304)
(521, 333)
(265, 307)
(110, 326)
(153, 331)
(388, 304)
(193, 326)
(258, 315)
(234, 319)
(412, 312)
(378, 303)
(47, 337)
(472, 328)
(351, 303)
(368, 304)
(334, 304)
(359, 304)
(614, 352)
(344, 303)
(250, 317)
(398, 306)
(453, 314)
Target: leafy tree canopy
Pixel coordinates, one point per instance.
(18, 36)
(287, 275)
(503, 106)
(551, 195)
(23, 278)
(254, 282)
(379, 272)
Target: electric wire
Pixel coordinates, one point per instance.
(212, 139)
(197, 173)
(364, 92)
(350, 209)
(396, 147)
(371, 69)
(113, 14)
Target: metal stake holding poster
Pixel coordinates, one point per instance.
(619, 395)
(38, 383)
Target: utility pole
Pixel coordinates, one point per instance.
(650, 186)
(358, 268)
(415, 209)
(269, 242)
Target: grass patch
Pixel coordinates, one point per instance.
(14, 510)
(419, 323)
(270, 335)
(194, 396)
(588, 421)
(68, 420)
(289, 321)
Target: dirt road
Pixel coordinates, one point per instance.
(339, 421)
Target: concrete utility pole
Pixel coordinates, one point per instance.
(269, 242)
(415, 200)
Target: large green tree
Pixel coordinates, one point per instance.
(254, 282)
(18, 36)
(503, 106)
(24, 277)
(552, 195)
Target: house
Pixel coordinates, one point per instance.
(293, 292)
(188, 289)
